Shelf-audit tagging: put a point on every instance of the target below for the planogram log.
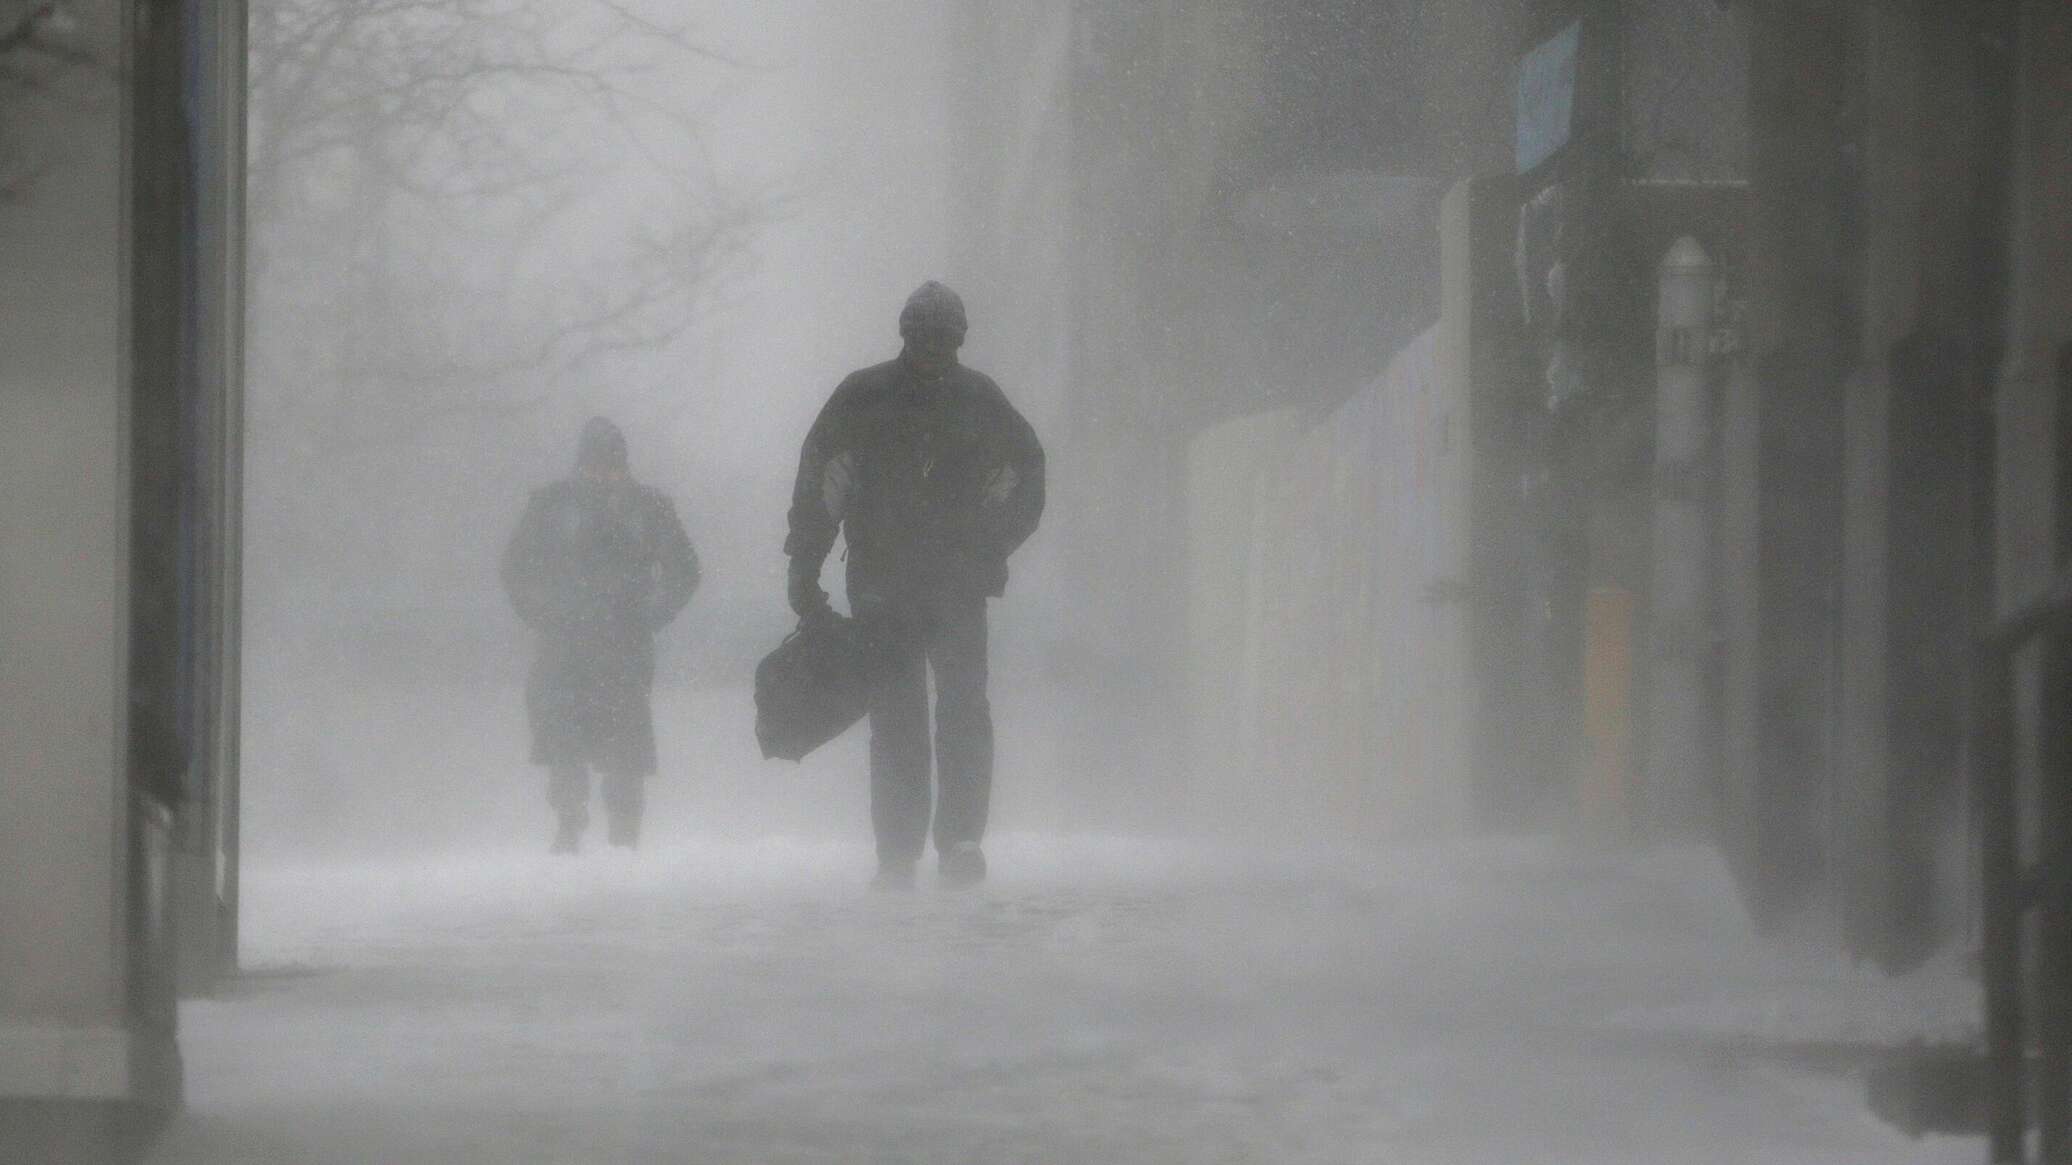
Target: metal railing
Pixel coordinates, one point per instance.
(2013, 888)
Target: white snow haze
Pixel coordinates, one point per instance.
(1224, 922)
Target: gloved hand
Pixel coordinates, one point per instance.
(803, 589)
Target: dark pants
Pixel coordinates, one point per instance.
(568, 790)
(587, 701)
(948, 635)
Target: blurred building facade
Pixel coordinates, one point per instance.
(1223, 238)
(1907, 309)
(1184, 215)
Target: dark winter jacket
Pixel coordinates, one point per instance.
(599, 562)
(934, 484)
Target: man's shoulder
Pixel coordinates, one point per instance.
(863, 382)
(652, 498)
(877, 381)
(977, 384)
(553, 492)
(862, 390)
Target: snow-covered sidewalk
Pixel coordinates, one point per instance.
(1101, 1000)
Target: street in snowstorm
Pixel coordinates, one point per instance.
(1470, 582)
(733, 996)
(1110, 1001)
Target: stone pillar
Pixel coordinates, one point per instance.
(87, 1054)
(1886, 396)
(1781, 676)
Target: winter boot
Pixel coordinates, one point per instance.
(625, 830)
(963, 865)
(894, 876)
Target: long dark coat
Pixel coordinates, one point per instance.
(596, 568)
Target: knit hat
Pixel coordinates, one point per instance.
(932, 308)
(602, 446)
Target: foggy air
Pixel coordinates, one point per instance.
(1035, 580)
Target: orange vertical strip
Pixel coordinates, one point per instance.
(1605, 787)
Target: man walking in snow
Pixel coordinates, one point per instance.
(598, 565)
(935, 480)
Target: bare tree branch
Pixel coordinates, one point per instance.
(486, 117)
(33, 60)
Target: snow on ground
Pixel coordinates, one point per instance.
(426, 985)
(727, 999)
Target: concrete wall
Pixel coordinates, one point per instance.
(1179, 213)
(1333, 680)
(1224, 467)
(1355, 583)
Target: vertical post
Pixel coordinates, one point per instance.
(159, 195)
(2053, 987)
(233, 53)
(1799, 340)
(1993, 782)
(2053, 971)
(1604, 796)
(1680, 633)
(1991, 28)
(210, 82)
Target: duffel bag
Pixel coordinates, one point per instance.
(813, 687)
